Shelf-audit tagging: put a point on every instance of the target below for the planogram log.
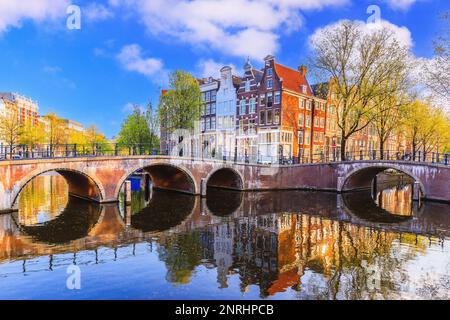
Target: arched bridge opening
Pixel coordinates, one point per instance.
(225, 178)
(79, 185)
(166, 177)
(368, 178)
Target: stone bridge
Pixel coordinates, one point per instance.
(100, 178)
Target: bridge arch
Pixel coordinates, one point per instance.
(225, 178)
(362, 177)
(80, 184)
(164, 175)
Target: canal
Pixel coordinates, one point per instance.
(370, 244)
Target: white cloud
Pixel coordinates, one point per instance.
(132, 59)
(13, 13)
(97, 12)
(234, 27)
(211, 68)
(400, 4)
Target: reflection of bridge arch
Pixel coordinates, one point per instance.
(362, 177)
(79, 183)
(73, 223)
(165, 211)
(362, 206)
(164, 175)
(225, 178)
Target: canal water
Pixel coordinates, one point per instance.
(269, 245)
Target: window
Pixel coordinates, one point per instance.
(252, 105)
(322, 122)
(307, 138)
(225, 122)
(269, 84)
(219, 122)
(247, 86)
(242, 107)
(203, 124)
(269, 72)
(300, 137)
(277, 97)
(213, 95)
(203, 97)
(269, 100)
(316, 137)
(301, 120)
(213, 123)
(208, 96)
(316, 122)
(308, 121)
(303, 88)
(308, 105)
(269, 117)
(302, 104)
(213, 108)
(262, 99)
(262, 117)
(277, 116)
(208, 109)
(231, 122)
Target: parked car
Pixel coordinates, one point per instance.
(17, 157)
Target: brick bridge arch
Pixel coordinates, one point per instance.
(164, 175)
(362, 176)
(80, 184)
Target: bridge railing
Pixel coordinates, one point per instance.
(50, 151)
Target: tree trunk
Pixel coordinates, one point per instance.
(381, 149)
(343, 147)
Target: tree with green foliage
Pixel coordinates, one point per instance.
(179, 107)
(134, 128)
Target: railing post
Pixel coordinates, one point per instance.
(446, 159)
(75, 150)
(116, 149)
(432, 157)
(334, 155)
(360, 155)
(420, 153)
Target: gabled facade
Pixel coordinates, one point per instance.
(247, 114)
(226, 113)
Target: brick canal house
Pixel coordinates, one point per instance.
(291, 120)
(247, 114)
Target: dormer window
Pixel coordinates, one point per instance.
(303, 88)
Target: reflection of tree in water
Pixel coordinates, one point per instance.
(43, 198)
(165, 210)
(181, 254)
(74, 222)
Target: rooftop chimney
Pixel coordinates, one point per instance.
(303, 70)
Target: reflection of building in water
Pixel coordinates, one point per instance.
(396, 200)
(42, 199)
(223, 250)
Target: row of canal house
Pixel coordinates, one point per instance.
(264, 115)
(270, 114)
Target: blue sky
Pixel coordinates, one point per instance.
(124, 49)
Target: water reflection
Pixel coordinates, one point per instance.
(290, 244)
